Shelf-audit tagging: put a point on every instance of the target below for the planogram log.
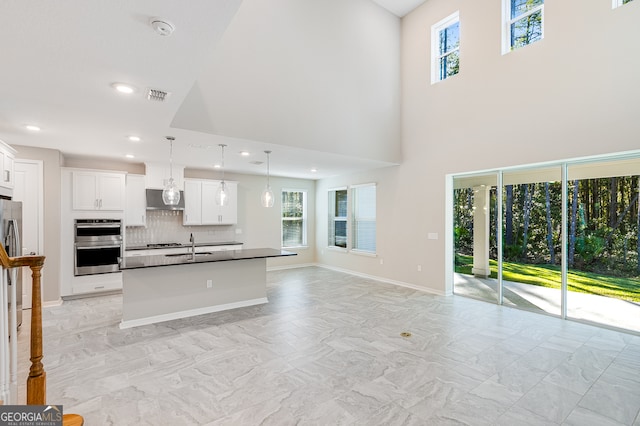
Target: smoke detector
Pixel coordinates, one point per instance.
(162, 26)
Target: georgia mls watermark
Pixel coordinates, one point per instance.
(30, 415)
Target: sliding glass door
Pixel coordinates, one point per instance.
(475, 242)
(532, 234)
(603, 222)
(565, 239)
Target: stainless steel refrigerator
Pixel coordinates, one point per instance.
(10, 235)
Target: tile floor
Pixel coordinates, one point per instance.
(327, 350)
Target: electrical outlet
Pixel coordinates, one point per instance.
(209, 283)
(419, 268)
(382, 261)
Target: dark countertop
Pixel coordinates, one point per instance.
(224, 243)
(138, 262)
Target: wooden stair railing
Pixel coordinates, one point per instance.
(37, 380)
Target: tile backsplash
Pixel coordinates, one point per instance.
(165, 226)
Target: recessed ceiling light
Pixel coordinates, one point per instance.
(134, 138)
(130, 156)
(32, 127)
(244, 153)
(123, 88)
(314, 170)
(216, 166)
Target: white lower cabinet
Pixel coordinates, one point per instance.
(91, 284)
(200, 207)
(98, 287)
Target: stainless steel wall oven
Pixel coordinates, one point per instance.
(98, 246)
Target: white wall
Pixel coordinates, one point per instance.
(573, 94)
(319, 75)
(51, 160)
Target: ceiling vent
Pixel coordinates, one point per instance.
(156, 95)
(192, 145)
(257, 163)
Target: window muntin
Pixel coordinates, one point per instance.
(445, 48)
(364, 218)
(338, 199)
(294, 218)
(524, 23)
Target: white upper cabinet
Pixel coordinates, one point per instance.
(98, 191)
(192, 202)
(229, 213)
(135, 212)
(210, 210)
(157, 175)
(7, 170)
(7, 158)
(200, 207)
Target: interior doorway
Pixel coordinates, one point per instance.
(29, 189)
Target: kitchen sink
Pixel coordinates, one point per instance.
(204, 253)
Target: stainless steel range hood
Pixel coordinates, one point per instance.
(154, 201)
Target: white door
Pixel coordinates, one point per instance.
(29, 189)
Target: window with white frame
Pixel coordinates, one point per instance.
(523, 23)
(338, 204)
(294, 218)
(363, 225)
(445, 48)
(618, 3)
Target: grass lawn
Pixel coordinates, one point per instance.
(550, 276)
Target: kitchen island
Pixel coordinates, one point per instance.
(160, 288)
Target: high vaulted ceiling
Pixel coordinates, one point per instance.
(60, 59)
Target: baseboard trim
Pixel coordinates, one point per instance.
(384, 280)
(294, 266)
(52, 303)
(191, 313)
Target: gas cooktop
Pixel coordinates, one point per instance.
(155, 245)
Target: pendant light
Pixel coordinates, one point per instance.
(171, 192)
(222, 194)
(267, 194)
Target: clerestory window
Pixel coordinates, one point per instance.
(523, 23)
(445, 48)
(618, 3)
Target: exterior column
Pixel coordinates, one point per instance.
(481, 230)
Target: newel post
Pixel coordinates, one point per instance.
(37, 381)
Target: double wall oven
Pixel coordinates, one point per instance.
(98, 246)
